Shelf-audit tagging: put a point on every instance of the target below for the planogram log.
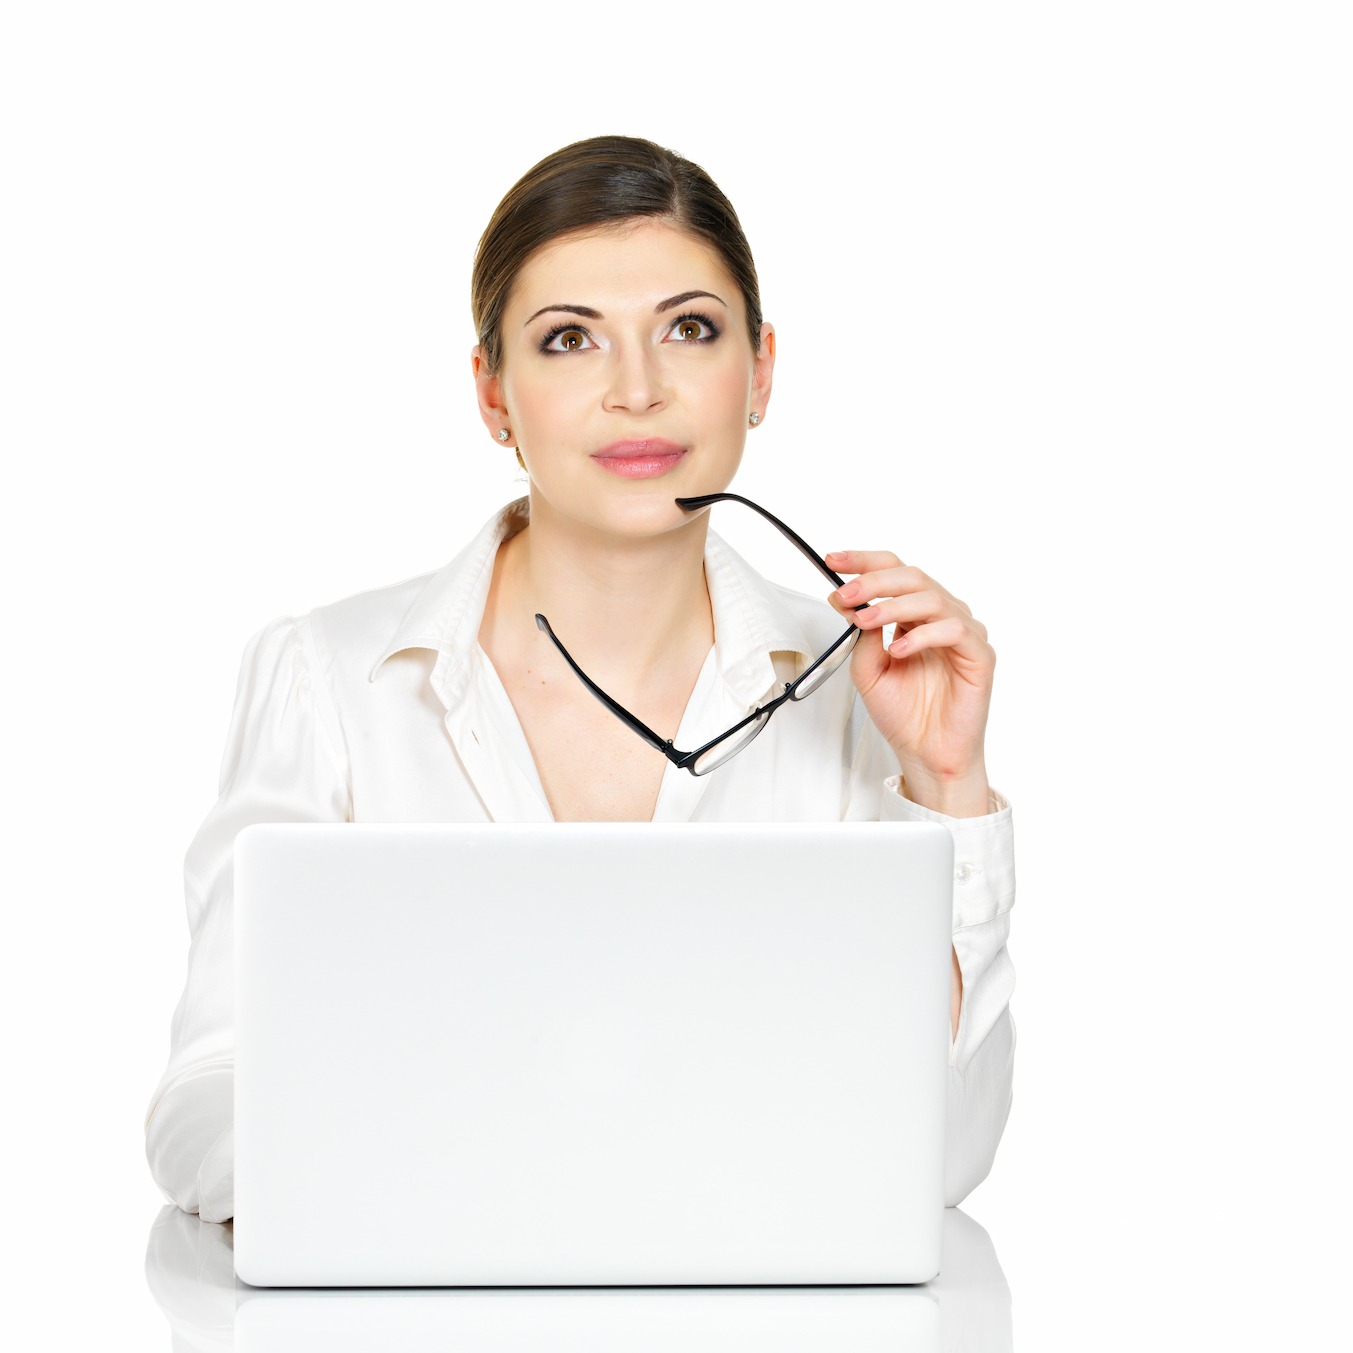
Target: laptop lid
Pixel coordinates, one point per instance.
(590, 1053)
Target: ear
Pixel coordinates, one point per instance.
(763, 370)
(489, 393)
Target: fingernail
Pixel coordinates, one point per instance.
(849, 592)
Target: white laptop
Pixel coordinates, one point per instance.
(590, 1053)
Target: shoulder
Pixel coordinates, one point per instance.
(354, 634)
(317, 654)
(349, 633)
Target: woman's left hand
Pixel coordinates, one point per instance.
(930, 692)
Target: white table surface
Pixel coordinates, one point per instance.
(190, 1273)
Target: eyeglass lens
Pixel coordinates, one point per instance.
(828, 665)
(730, 746)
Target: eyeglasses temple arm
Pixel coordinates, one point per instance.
(620, 712)
(694, 505)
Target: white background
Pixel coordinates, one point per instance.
(1063, 299)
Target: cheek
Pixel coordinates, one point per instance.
(727, 388)
(546, 390)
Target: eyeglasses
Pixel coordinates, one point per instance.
(722, 749)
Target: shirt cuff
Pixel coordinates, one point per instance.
(984, 851)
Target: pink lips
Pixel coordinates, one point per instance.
(640, 459)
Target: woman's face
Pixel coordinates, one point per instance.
(628, 375)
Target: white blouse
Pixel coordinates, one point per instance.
(382, 707)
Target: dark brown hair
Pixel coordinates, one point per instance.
(603, 181)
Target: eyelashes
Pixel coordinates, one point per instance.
(691, 318)
(557, 331)
(694, 317)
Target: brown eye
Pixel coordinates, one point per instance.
(692, 329)
(567, 338)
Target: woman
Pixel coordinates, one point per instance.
(622, 354)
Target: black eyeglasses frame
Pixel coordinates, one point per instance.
(687, 760)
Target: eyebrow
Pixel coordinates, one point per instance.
(587, 312)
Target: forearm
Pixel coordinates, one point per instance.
(979, 1105)
(967, 797)
(981, 1055)
(955, 992)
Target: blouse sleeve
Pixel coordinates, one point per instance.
(284, 762)
(981, 1056)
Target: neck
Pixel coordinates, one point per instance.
(624, 606)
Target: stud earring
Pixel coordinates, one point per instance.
(503, 434)
(754, 419)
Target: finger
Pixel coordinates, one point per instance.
(849, 609)
(859, 561)
(888, 582)
(915, 608)
(950, 632)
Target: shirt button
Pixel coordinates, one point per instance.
(963, 873)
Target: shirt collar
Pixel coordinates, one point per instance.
(753, 618)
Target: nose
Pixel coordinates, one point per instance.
(635, 380)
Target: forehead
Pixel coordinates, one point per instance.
(636, 265)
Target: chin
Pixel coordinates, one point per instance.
(649, 511)
(628, 511)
